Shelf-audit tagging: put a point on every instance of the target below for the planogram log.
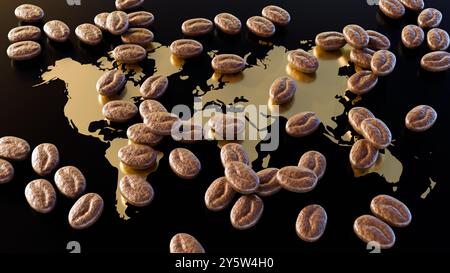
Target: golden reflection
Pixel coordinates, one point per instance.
(175, 61)
(227, 78)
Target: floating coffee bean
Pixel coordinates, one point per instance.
(362, 82)
(186, 48)
(282, 90)
(297, 179)
(197, 27)
(228, 63)
(437, 61)
(40, 195)
(260, 26)
(378, 41)
(414, 5)
(128, 4)
(429, 18)
(363, 154)
(356, 36)
(302, 124)
(376, 132)
(6, 171)
(268, 182)
(314, 161)
(390, 210)
(136, 190)
(219, 194)
(100, 20)
(438, 39)
(129, 53)
(24, 33)
(372, 229)
(277, 15)
(246, 212)
(89, 34)
(117, 22)
(140, 19)
(233, 152)
(241, 177)
(29, 13)
(161, 123)
(362, 57)
(139, 133)
(57, 31)
(412, 36)
(311, 223)
(330, 40)
(392, 8)
(14, 148)
(139, 36)
(303, 61)
(119, 111)
(86, 211)
(22, 51)
(227, 126)
(139, 157)
(44, 158)
(383, 63)
(184, 163)
(356, 115)
(420, 118)
(111, 82)
(228, 23)
(70, 181)
(185, 243)
(150, 106)
(154, 87)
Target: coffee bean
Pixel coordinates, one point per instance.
(330, 40)
(414, 5)
(111, 82)
(233, 152)
(260, 26)
(185, 243)
(228, 23)
(197, 27)
(119, 111)
(150, 106)
(412, 36)
(228, 63)
(86, 211)
(311, 223)
(392, 8)
(437, 61)
(282, 90)
(363, 154)
(314, 161)
(154, 87)
(89, 34)
(129, 53)
(362, 57)
(6, 171)
(219, 194)
(136, 190)
(356, 115)
(29, 13)
(100, 21)
(40, 195)
(139, 36)
(297, 179)
(14, 148)
(138, 157)
(277, 15)
(246, 212)
(303, 61)
(24, 33)
(184, 163)
(161, 123)
(302, 124)
(356, 36)
(139, 133)
(362, 82)
(117, 22)
(390, 210)
(420, 118)
(140, 19)
(187, 132)
(22, 51)
(383, 63)
(378, 41)
(44, 158)
(57, 31)
(241, 177)
(372, 229)
(268, 182)
(227, 126)
(186, 48)
(438, 39)
(429, 18)
(128, 4)
(70, 181)
(376, 132)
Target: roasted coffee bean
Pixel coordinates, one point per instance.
(154, 87)
(129, 53)
(138, 157)
(100, 20)
(117, 22)
(186, 48)
(429, 18)
(302, 124)
(363, 154)
(412, 36)
(227, 126)
(390, 210)
(40, 195)
(383, 63)
(29, 13)
(119, 111)
(140, 19)
(246, 212)
(57, 31)
(185, 243)
(268, 182)
(378, 41)
(219, 194)
(233, 152)
(437, 61)
(303, 61)
(414, 5)
(356, 36)
(228, 63)
(14, 148)
(376, 132)
(111, 82)
(184, 163)
(356, 115)
(89, 34)
(139, 36)
(6, 171)
(136, 190)
(314, 161)
(70, 181)
(86, 211)
(260, 26)
(330, 40)
(438, 39)
(44, 158)
(420, 118)
(362, 57)
(362, 82)
(282, 90)
(392, 8)
(241, 177)
(139, 133)
(297, 179)
(24, 33)
(197, 27)
(128, 4)
(22, 51)
(187, 132)
(311, 223)
(228, 23)
(150, 106)
(372, 229)
(161, 123)
(277, 15)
